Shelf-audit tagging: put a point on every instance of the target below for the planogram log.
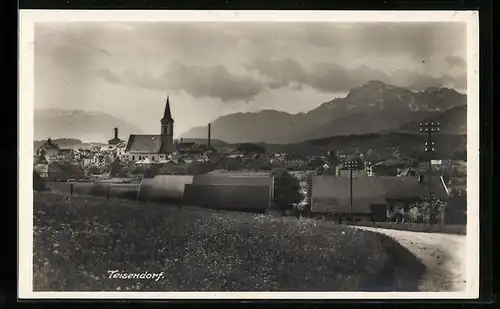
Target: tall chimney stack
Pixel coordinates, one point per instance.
(209, 135)
(116, 133)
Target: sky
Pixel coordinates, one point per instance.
(215, 69)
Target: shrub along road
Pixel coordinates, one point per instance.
(442, 254)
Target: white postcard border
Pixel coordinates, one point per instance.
(27, 19)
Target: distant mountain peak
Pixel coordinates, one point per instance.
(85, 125)
(377, 83)
(371, 108)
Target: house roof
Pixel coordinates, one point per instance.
(355, 173)
(185, 144)
(139, 143)
(394, 162)
(407, 171)
(334, 192)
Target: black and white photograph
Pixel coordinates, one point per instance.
(248, 154)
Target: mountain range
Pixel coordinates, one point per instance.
(84, 125)
(374, 107)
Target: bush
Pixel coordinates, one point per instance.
(197, 250)
(286, 190)
(456, 210)
(426, 210)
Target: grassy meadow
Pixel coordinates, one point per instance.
(78, 239)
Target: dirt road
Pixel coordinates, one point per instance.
(442, 254)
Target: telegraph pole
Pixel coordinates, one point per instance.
(429, 128)
(351, 164)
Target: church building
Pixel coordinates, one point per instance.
(154, 147)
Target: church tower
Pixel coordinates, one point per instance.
(167, 129)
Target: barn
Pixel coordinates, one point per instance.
(374, 198)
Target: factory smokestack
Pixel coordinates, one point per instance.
(209, 136)
(116, 133)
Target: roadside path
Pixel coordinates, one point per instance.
(442, 254)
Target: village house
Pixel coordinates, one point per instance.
(154, 147)
(391, 167)
(374, 199)
(49, 150)
(183, 147)
(65, 154)
(59, 172)
(408, 172)
(236, 155)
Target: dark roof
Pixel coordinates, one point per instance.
(65, 151)
(394, 162)
(150, 143)
(355, 173)
(407, 171)
(185, 144)
(334, 192)
(167, 115)
(144, 143)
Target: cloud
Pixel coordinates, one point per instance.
(332, 77)
(213, 81)
(318, 60)
(108, 76)
(417, 40)
(199, 81)
(455, 61)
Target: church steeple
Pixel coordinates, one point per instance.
(167, 115)
(167, 129)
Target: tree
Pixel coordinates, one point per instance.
(396, 153)
(457, 207)
(430, 210)
(316, 163)
(414, 214)
(92, 170)
(249, 147)
(460, 154)
(332, 159)
(286, 190)
(372, 156)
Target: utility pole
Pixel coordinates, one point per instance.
(351, 164)
(429, 128)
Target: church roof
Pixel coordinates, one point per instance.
(167, 114)
(144, 143)
(138, 143)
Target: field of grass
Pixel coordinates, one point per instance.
(78, 240)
